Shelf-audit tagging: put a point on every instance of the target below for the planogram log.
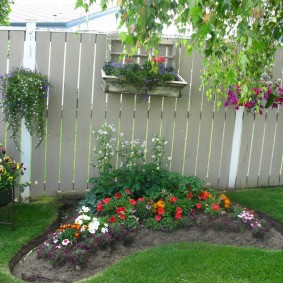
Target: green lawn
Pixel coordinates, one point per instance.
(180, 262)
(267, 200)
(196, 263)
(32, 219)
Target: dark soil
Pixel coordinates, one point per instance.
(27, 267)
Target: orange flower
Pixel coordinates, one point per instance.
(160, 204)
(77, 235)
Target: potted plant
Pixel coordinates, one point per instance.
(24, 94)
(10, 171)
(151, 78)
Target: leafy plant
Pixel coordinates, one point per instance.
(238, 39)
(5, 10)
(151, 73)
(10, 171)
(24, 94)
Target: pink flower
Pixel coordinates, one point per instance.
(160, 210)
(215, 207)
(173, 199)
(141, 199)
(178, 215)
(128, 191)
(190, 195)
(132, 202)
(99, 206)
(179, 210)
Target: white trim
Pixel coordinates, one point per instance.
(236, 146)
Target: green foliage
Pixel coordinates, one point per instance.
(150, 74)
(10, 171)
(24, 94)
(238, 39)
(5, 10)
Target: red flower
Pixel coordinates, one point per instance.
(190, 195)
(179, 210)
(122, 216)
(215, 207)
(158, 217)
(99, 206)
(172, 199)
(106, 200)
(178, 215)
(204, 195)
(198, 205)
(193, 212)
(121, 209)
(112, 219)
(132, 202)
(118, 195)
(160, 210)
(159, 59)
(141, 199)
(128, 191)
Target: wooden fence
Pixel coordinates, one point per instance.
(199, 136)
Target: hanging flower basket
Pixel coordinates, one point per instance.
(152, 78)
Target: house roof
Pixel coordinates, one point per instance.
(54, 13)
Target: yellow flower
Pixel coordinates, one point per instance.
(6, 158)
(1, 169)
(161, 204)
(10, 178)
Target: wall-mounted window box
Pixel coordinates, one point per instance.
(141, 73)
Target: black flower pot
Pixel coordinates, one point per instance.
(5, 197)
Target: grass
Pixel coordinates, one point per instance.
(180, 262)
(32, 219)
(196, 263)
(267, 200)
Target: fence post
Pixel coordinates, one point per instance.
(236, 146)
(26, 141)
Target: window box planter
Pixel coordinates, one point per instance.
(110, 84)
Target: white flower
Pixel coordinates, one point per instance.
(65, 242)
(85, 209)
(169, 158)
(36, 183)
(104, 230)
(55, 241)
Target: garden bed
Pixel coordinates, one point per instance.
(32, 269)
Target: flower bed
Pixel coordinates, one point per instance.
(117, 218)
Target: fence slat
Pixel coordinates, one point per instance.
(38, 155)
(69, 112)
(216, 146)
(194, 117)
(99, 98)
(276, 168)
(54, 112)
(84, 111)
(243, 165)
(15, 61)
(256, 152)
(267, 148)
(3, 69)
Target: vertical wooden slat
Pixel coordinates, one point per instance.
(267, 149)
(275, 179)
(38, 155)
(182, 119)
(69, 111)
(15, 61)
(84, 110)
(245, 150)
(3, 69)
(54, 113)
(98, 116)
(204, 138)
(256, 151)
(216, 146)
(194, 117)
(227, 146)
